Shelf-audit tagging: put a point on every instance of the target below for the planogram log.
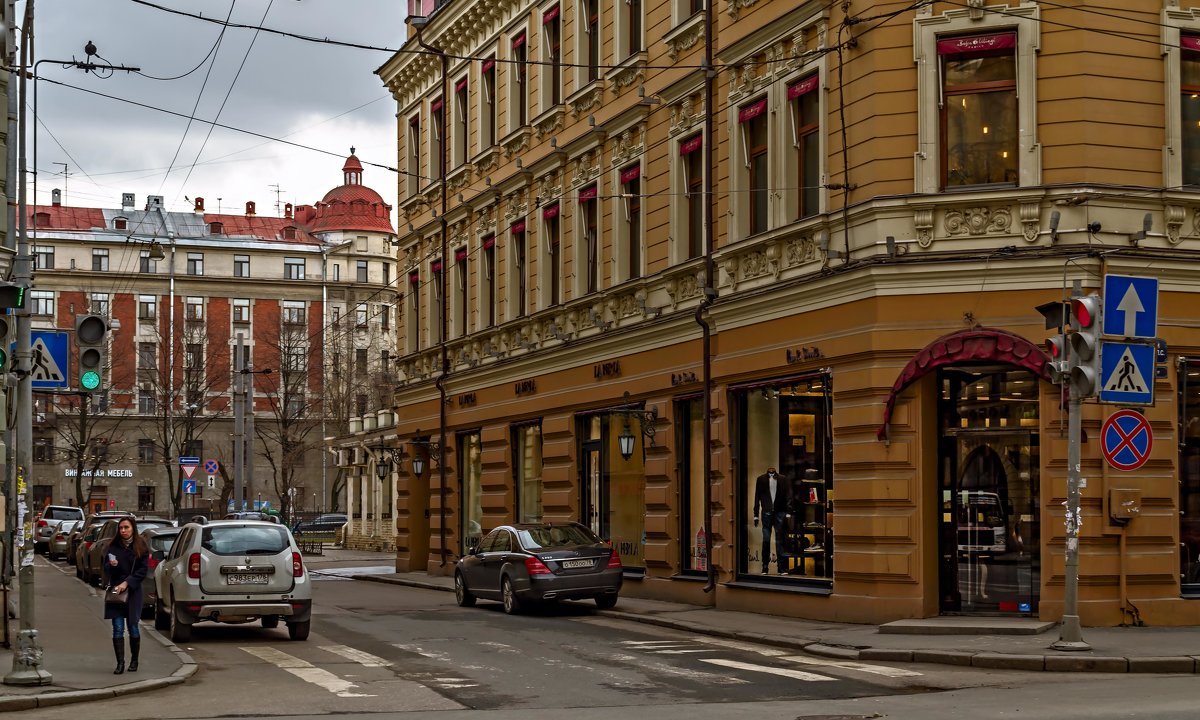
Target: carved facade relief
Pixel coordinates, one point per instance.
(923, 225)
(1031, 220)
(686, 114)
(629, 145)
(978, 221)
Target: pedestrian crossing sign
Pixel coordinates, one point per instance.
(48, 367)
(1127, 373)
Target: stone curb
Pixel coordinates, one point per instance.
(1183, 665)
(186, 669)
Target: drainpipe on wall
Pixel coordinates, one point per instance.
(708, 287)
(325, 315)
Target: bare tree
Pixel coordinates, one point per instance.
(92, 438)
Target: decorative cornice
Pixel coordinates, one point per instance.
(516, 142)
(631, 71)
(586, 166)
(686, 114)
(629, 144)
(587, 99)
(487, 160)
(734, 7)
(685, 36)
(550, 121)
(978, 221)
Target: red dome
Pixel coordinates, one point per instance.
(352, 205)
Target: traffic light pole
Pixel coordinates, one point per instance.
(1070, 634)
(27, 658)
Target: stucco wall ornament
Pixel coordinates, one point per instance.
(588, 100)
(978, 221)
(586, 167)
(516, 205)
(684, 41)
(629, 144)
(550, 122)
(1031, 220)
(734, 7)
(923, 225)
(1173, 219)
(517, 143)
(800, 250)
(683, 287)
(686, 114)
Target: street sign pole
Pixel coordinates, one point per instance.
(1070, 634)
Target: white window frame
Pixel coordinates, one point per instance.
(583, 42)
(546, 69)
(289, 267)
(1176, 22)
(790, 161)
(195, 264)
(40, 301)
(462, 122)
(518, 93)
(241, 304)
(1025, 19)
(623, 33)
(413, 177)
(240, 262)
(147, 301)
(193, 308)
(293, 312)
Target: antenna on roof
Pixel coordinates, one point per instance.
(278, 194)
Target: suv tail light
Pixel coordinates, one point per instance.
(87, 545)
(614, 560)
(297, 565)
(194, 566)
(42, 523)
(151, 562)
(536, 567)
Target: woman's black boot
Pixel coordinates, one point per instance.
(135, 646)
(119, 649)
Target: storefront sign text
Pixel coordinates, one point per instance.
(70, 472)
(604, 370)
(467, 399)
(801, 354)
(683, 378)
(525, 387)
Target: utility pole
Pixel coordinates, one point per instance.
(239, 420)
(66, 177)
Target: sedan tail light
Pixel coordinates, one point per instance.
(87, 545)
(536, 567)
(614, 560)
(194, 566)
(297, 565)
(42, 523)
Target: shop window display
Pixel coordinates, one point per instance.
(690, 421)
(1189, 478)
(614, 487)
(786, 482)
(470, 463)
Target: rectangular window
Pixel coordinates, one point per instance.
(337, 271)
(195, 263)
(413, 176)
(146, 264)
(487, 105)
(193, 308)
(589, 212)
(753, 121)
(100, 259)
(293, 312)
(147, 307)
(193, 448)
(436, 129)
(360, 361)
(462, 299)
(361, 315)
(100, 303)
(691, 151)
(519, 87)
(293, 268)
(361, 269)
(488, 301)
(520, 269)
(436, 326)
(147, 356)
(386, 269)
(1189, 477)
(527, 468)
(633, 26)
(979, 109)
(631, 197)
(241, 266)
(804, 102)
(785, 478)
(552, 54)
(241, 310)
(470, 464)
(385, 316)
(193, 358)
(295, 360)
(42, 302)
(553, 274)
(145, 498)
(43, 257)
(146, 453)
(461, 122)
(43, 449)
(413, 335)
(690, 424)
(147, 403)
(591, 27)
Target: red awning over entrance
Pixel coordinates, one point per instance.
(976, 345)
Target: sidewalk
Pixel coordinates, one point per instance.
(937, 640)
(77, 645)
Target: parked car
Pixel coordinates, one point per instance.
(252, 515)
(233, 571)
(326, 523)
(93, 561)
(159, 541)
(153, 522)
(93, 520)
(85, 547)
(524, 563)
(51, 520)
(59, 542)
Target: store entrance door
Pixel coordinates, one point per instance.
(989, 536)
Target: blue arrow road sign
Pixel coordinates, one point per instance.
(1127, 373)
(189, 487)
(1131, 306)
(185, 460)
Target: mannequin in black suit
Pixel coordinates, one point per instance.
(772, 504)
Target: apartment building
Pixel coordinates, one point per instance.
(788, 257)
(309, 295)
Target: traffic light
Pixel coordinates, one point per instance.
(1085, 345)
(1056, 347)
(8, 330)
(11, 295)
(91, 339)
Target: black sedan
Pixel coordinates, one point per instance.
(520, 564)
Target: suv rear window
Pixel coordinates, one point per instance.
(552, 537)
(244, 540)
(53, 513)
(163, 542)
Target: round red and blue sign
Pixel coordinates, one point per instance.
(1126, 440)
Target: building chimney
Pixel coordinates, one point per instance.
(56, 197)
(287, 211)
(154, 202)
(199, 204)
(127, 201)
(249, 207)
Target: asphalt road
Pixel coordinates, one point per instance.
(383, 650)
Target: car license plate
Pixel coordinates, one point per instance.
(578, 563)
(246, 579)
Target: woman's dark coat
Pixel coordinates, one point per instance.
(130, 570)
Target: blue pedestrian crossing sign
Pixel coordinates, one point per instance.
(1127, 373)
(189, 486)
(48, 365)
(1131, 307)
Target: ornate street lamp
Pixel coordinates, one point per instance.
(421, 449)
(626, 440)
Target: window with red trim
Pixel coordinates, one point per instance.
(979, 110)
(1189, 85)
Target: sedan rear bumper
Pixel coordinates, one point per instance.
(241, 611)
(570, 587)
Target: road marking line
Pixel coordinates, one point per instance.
(735, 645)
(306, 671)
(695, 675)
(365, 659)
(851, 665)
(499, 646)
(679, 652)
(431, 654)
(794, 674)
(645, 643)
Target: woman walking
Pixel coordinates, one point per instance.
(125, 567)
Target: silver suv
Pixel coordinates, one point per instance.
(233, 571)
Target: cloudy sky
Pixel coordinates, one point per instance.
(314, 94)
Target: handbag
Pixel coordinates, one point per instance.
(114, 597)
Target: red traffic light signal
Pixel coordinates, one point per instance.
(1056, 347)
(1085, 312)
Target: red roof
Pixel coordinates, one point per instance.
(67, 218)
(352, 165)
(270, 229)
